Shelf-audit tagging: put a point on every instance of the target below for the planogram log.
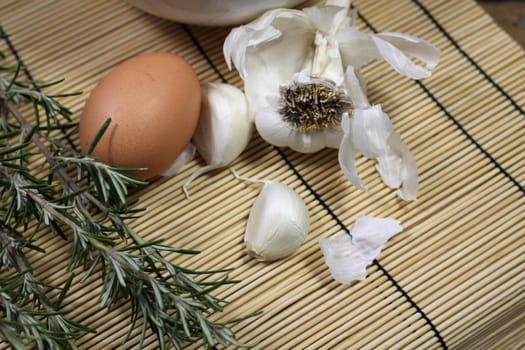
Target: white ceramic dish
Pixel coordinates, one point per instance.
(210, 12)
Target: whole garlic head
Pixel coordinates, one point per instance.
(302, 73)
(278, 223)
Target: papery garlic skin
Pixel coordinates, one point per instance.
(370, 132)
(286, 48)
(346, 263)
(277, 224)
(186, 155)
(348, 255)
(224, 127)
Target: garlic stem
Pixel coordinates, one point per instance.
(249, 179)
(196, 174)
(321, 60)
(320, 55)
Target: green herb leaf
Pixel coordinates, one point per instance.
(98, 136)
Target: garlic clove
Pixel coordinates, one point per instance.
(270, 127)
(224, 128)
(348, 255)
(277, 224)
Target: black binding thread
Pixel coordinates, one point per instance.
(466, 55)
(15, 53)
(204, 54)
(324, 204)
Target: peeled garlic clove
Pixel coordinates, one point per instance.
(278, 223)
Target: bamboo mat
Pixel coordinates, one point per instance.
(455, 278)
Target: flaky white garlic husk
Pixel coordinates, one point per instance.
(224, 128)
(186, 155)
(278, 223)
(348, 255)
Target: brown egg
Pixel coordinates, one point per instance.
(153, 101)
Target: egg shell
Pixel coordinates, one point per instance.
(153, 101)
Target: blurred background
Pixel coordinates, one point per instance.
(509, 14)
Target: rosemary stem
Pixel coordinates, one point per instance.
(45, 205)
(36, 139)
(63, 175)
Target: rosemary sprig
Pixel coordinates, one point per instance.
(86, 200)
(27, 309)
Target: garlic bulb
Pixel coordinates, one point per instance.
(278, 223)
(348, 255)
(224, 128)
(302, 79)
